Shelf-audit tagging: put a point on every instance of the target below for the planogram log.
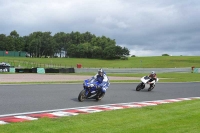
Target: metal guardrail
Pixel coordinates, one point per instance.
(135, 70)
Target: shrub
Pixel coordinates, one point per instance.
(124, 58)
(165, 55)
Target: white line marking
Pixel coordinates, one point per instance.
(26, 117)
(2, 123)
(61, 113)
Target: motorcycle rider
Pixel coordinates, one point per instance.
(153, 77)
(102, 78)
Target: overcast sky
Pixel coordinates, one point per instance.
(145, 27)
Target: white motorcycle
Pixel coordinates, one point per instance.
(146, 80)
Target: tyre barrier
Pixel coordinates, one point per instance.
(51, 70)
(23, 70)
(66, 70)
(46, 70)
(4, 68)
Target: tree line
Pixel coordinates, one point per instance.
(77, 45)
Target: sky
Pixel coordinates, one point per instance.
(145, 27)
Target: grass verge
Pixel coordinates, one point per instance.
(132, 62)
(179, 117)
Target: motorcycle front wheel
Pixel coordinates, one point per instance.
(140, 86)
(81, 96)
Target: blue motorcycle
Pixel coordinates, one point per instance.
(90, 90)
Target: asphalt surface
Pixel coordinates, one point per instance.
(31, 98)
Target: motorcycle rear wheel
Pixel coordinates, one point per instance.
(151, 88)
(99, 98)
(81, 96)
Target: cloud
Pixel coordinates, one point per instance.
(145, 27)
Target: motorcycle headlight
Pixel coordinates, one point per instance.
(91, 85)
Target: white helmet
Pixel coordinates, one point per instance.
(153, 72)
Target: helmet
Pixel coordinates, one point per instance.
(100, 71)
(153, 72)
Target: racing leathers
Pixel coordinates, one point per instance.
(104, 82)
(152, 78)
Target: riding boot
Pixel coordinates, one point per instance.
(151, 85)
(98, 90)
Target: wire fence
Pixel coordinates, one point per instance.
(27, 64)
(139, 70)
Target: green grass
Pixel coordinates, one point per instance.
(179, 117)
(132, 62)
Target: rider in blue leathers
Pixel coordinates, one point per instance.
(102, 78)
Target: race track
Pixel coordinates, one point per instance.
(31, 98)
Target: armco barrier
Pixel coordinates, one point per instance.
(66, 70)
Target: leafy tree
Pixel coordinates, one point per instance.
(87, 36)
(109, 52)
(48, 45)
(72, 51)
(97, 52)
(125, 51)
(15, 43)
(2, 42)
(81, 50)
(60, 40)
(35, 42)
(85, 45)
(68, 42)
(118, 51)
(9, 45)
(77, 38)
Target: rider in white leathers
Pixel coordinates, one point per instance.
(153, 77)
